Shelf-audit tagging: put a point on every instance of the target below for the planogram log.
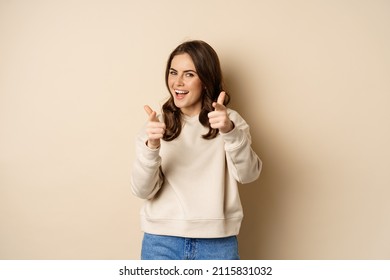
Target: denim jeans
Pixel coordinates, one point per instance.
(160, 247)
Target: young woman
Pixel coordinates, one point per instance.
(189, 162)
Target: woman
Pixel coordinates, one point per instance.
(189, 162)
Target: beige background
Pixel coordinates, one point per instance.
(310, 77)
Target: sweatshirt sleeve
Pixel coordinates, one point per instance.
(146, 175)
(243, 163)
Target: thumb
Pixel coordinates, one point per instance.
(218, 106)
(221, 98)
(152, 114)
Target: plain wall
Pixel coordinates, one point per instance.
(310, 77)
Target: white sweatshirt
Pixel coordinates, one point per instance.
(190, 184)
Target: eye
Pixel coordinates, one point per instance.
(172, 72)
(189, 74)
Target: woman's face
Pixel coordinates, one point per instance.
(185, 85)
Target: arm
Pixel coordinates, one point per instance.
(147, 177)
(243, 163)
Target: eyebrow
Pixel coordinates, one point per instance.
(185, 71)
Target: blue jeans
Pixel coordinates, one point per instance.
(160, 247)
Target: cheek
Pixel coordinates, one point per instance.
(197, 86)
(170, 82)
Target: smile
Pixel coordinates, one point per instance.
(181, 94)
(181, 91)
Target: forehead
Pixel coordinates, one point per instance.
(182, 62)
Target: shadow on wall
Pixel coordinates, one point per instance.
(264, 225)
(263, 219)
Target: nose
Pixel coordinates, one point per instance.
(179, 80)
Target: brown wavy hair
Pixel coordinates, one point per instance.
(208, 68)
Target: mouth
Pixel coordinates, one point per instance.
(180, 94)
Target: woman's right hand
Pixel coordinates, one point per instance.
(154, 129)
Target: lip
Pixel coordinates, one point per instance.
(180, 94)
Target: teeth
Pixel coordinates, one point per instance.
(181, 91)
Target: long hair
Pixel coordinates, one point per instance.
(208, 68)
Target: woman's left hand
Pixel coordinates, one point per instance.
(219, 118)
